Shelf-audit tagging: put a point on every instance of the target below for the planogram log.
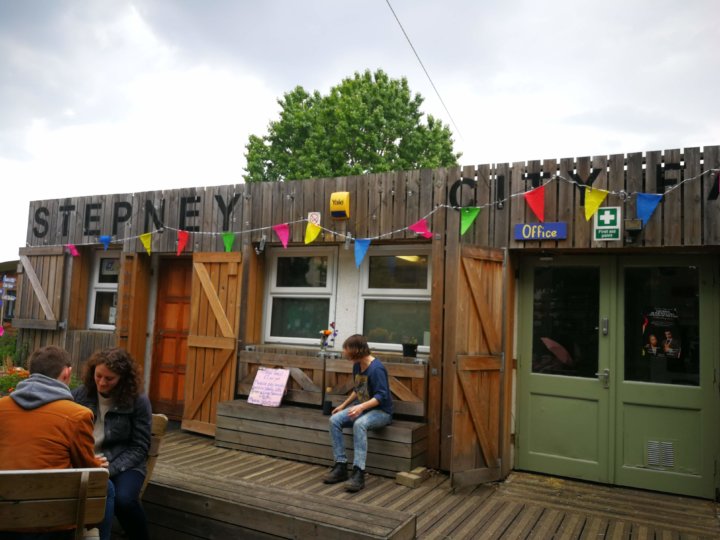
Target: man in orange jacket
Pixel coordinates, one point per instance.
(41, 427)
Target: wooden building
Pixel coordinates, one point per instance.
(534, 325)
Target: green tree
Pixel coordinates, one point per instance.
(367, 123)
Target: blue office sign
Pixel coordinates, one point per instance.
(540, 231)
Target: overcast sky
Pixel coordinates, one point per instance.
(114, 96)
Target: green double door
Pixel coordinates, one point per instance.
(618, 371)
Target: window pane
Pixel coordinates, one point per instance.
(397, 321)
(302, 271)
(109, 270)
(105, 309)
(565, 321)
(299, 317)
(398, 272)
(662, 338)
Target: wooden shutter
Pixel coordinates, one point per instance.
(212, 342)
(475, 332)
(133, 292)
(40, 288)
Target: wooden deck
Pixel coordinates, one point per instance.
(524, 506)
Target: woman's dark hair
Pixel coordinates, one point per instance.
(121, 363)
(356, 347)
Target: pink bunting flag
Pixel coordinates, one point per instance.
(182, 241)
(420, 227)
(72, 250)
(283, 233)
(2, 331)
(535, 199)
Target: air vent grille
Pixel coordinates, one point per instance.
(660, 454)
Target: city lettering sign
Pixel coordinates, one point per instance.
(540, 231)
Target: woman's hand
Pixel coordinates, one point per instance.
(103, 460)
(355, 411)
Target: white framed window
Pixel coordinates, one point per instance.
(301, 294)
(102, 300)
(394, 307)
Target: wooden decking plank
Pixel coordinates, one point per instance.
(571, 526)
(445, 528)
(411, 495)
(475, 524)
(524, 523)
(548, 524)
(428, 519)
(496, 527)
(618, 530)
(594, 528)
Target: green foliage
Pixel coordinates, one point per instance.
(367, 123)
(8, 345)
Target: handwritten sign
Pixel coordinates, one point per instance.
(269, 387)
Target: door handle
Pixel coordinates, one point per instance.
(604, 377)
(604, 326)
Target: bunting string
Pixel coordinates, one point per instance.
(420, 226)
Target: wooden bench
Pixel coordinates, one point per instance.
(301, 434)
(190, 505)
(69, 498)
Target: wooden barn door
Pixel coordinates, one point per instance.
(475, 381)
(212, 341)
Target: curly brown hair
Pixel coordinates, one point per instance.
(118, 361)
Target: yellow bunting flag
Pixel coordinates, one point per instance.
(593, 199)
(311, 232)
(146, 240)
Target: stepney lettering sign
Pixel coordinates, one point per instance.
(540, 231)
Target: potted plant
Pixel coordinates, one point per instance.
(409, 346)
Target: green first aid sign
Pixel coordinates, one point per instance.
(606, 223)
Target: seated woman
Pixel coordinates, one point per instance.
(112, 390)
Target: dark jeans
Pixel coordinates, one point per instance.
(128, 509)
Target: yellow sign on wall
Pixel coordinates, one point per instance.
(340, 205)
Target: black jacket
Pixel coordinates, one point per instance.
(127, 432)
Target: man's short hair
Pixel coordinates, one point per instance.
(49, 361)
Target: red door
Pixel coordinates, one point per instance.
(172, 322)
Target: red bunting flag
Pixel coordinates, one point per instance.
(72, 250)
(421, 228)
(283, 232)
(182, 241)
(535, 199)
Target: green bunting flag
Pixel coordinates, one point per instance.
(228, 240)
(468, 216)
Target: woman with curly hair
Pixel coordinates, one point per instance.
(112, 389)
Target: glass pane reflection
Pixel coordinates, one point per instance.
(662, 338)
(565, 321)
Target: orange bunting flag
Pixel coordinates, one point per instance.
(146, 240)
(182, 241)
(535, 199)
(593, 199)
(311, 232)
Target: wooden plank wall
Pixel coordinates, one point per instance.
(383, 205)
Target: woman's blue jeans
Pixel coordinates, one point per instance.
(372, 419)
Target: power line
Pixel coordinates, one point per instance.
(457, 129)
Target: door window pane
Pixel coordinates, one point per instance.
(565, 321)
(299, 317)
(105, 307)
(662, 338)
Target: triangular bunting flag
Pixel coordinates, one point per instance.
(361, 247)
(468, 216)
(311, 232)
(183, 237)
(72, 250)
(2, 330)
(283, 233)
(421, 228)
(646, 205)
(535, 199)
(715, 189)
(593, 199)
(105, 241)
(146, 240)
(228, 240)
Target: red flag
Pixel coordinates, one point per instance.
(421, 228)
(182, 241)
(283, 232)
(535, 199)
